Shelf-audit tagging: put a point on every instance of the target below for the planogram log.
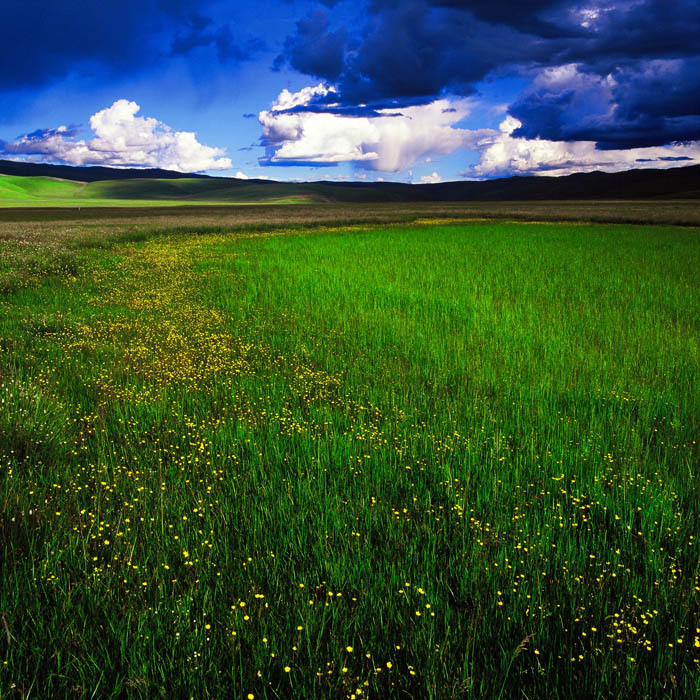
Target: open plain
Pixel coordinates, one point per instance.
(339, 451)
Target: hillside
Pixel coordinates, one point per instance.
(29, 188)
(87, 173)
(109, 186)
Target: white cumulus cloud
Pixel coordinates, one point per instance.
(389, 141)
(288, 100)
(303, 128)
(122, 139)
(502, 154)
(431, 179)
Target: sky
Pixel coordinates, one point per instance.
(359, 90)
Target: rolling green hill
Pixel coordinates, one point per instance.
(39, 191)
(36, 188)
(136, 188)
(232, 191)
(190, 190)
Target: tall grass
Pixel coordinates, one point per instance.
(411, 461)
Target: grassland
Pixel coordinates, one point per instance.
(156, 220)
(42, 191)
(666, 198)
(280, 458)
(30, 191)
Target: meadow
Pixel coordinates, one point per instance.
(28, 191)
(324, 453)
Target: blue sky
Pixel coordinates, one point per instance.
(409, 90)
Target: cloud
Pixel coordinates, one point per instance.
(120, 139)
(633, 82)
(287, 100)
(405, 49)
(392, 140)
(201, 32)
(241, 175)
(431, 179)
(648, 104)
(315, 49)
(503, 153)
(539, 17)
(45, 40)
(303, 128)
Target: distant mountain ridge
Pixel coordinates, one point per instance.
(149, 184)
(88, 173)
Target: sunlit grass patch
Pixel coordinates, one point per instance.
(438, 460)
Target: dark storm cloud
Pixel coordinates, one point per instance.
(406, 49)
(638, 59)
(47, 40)
(645, 104)
(643, 30)
(537, 17)
(659, 89)
(315, 49)
(198, 33)
(201, 32)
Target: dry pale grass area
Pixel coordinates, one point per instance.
(674, 212)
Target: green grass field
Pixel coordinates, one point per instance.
(31, 197)
(40, 191)
(30, 191)
(410, 460)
